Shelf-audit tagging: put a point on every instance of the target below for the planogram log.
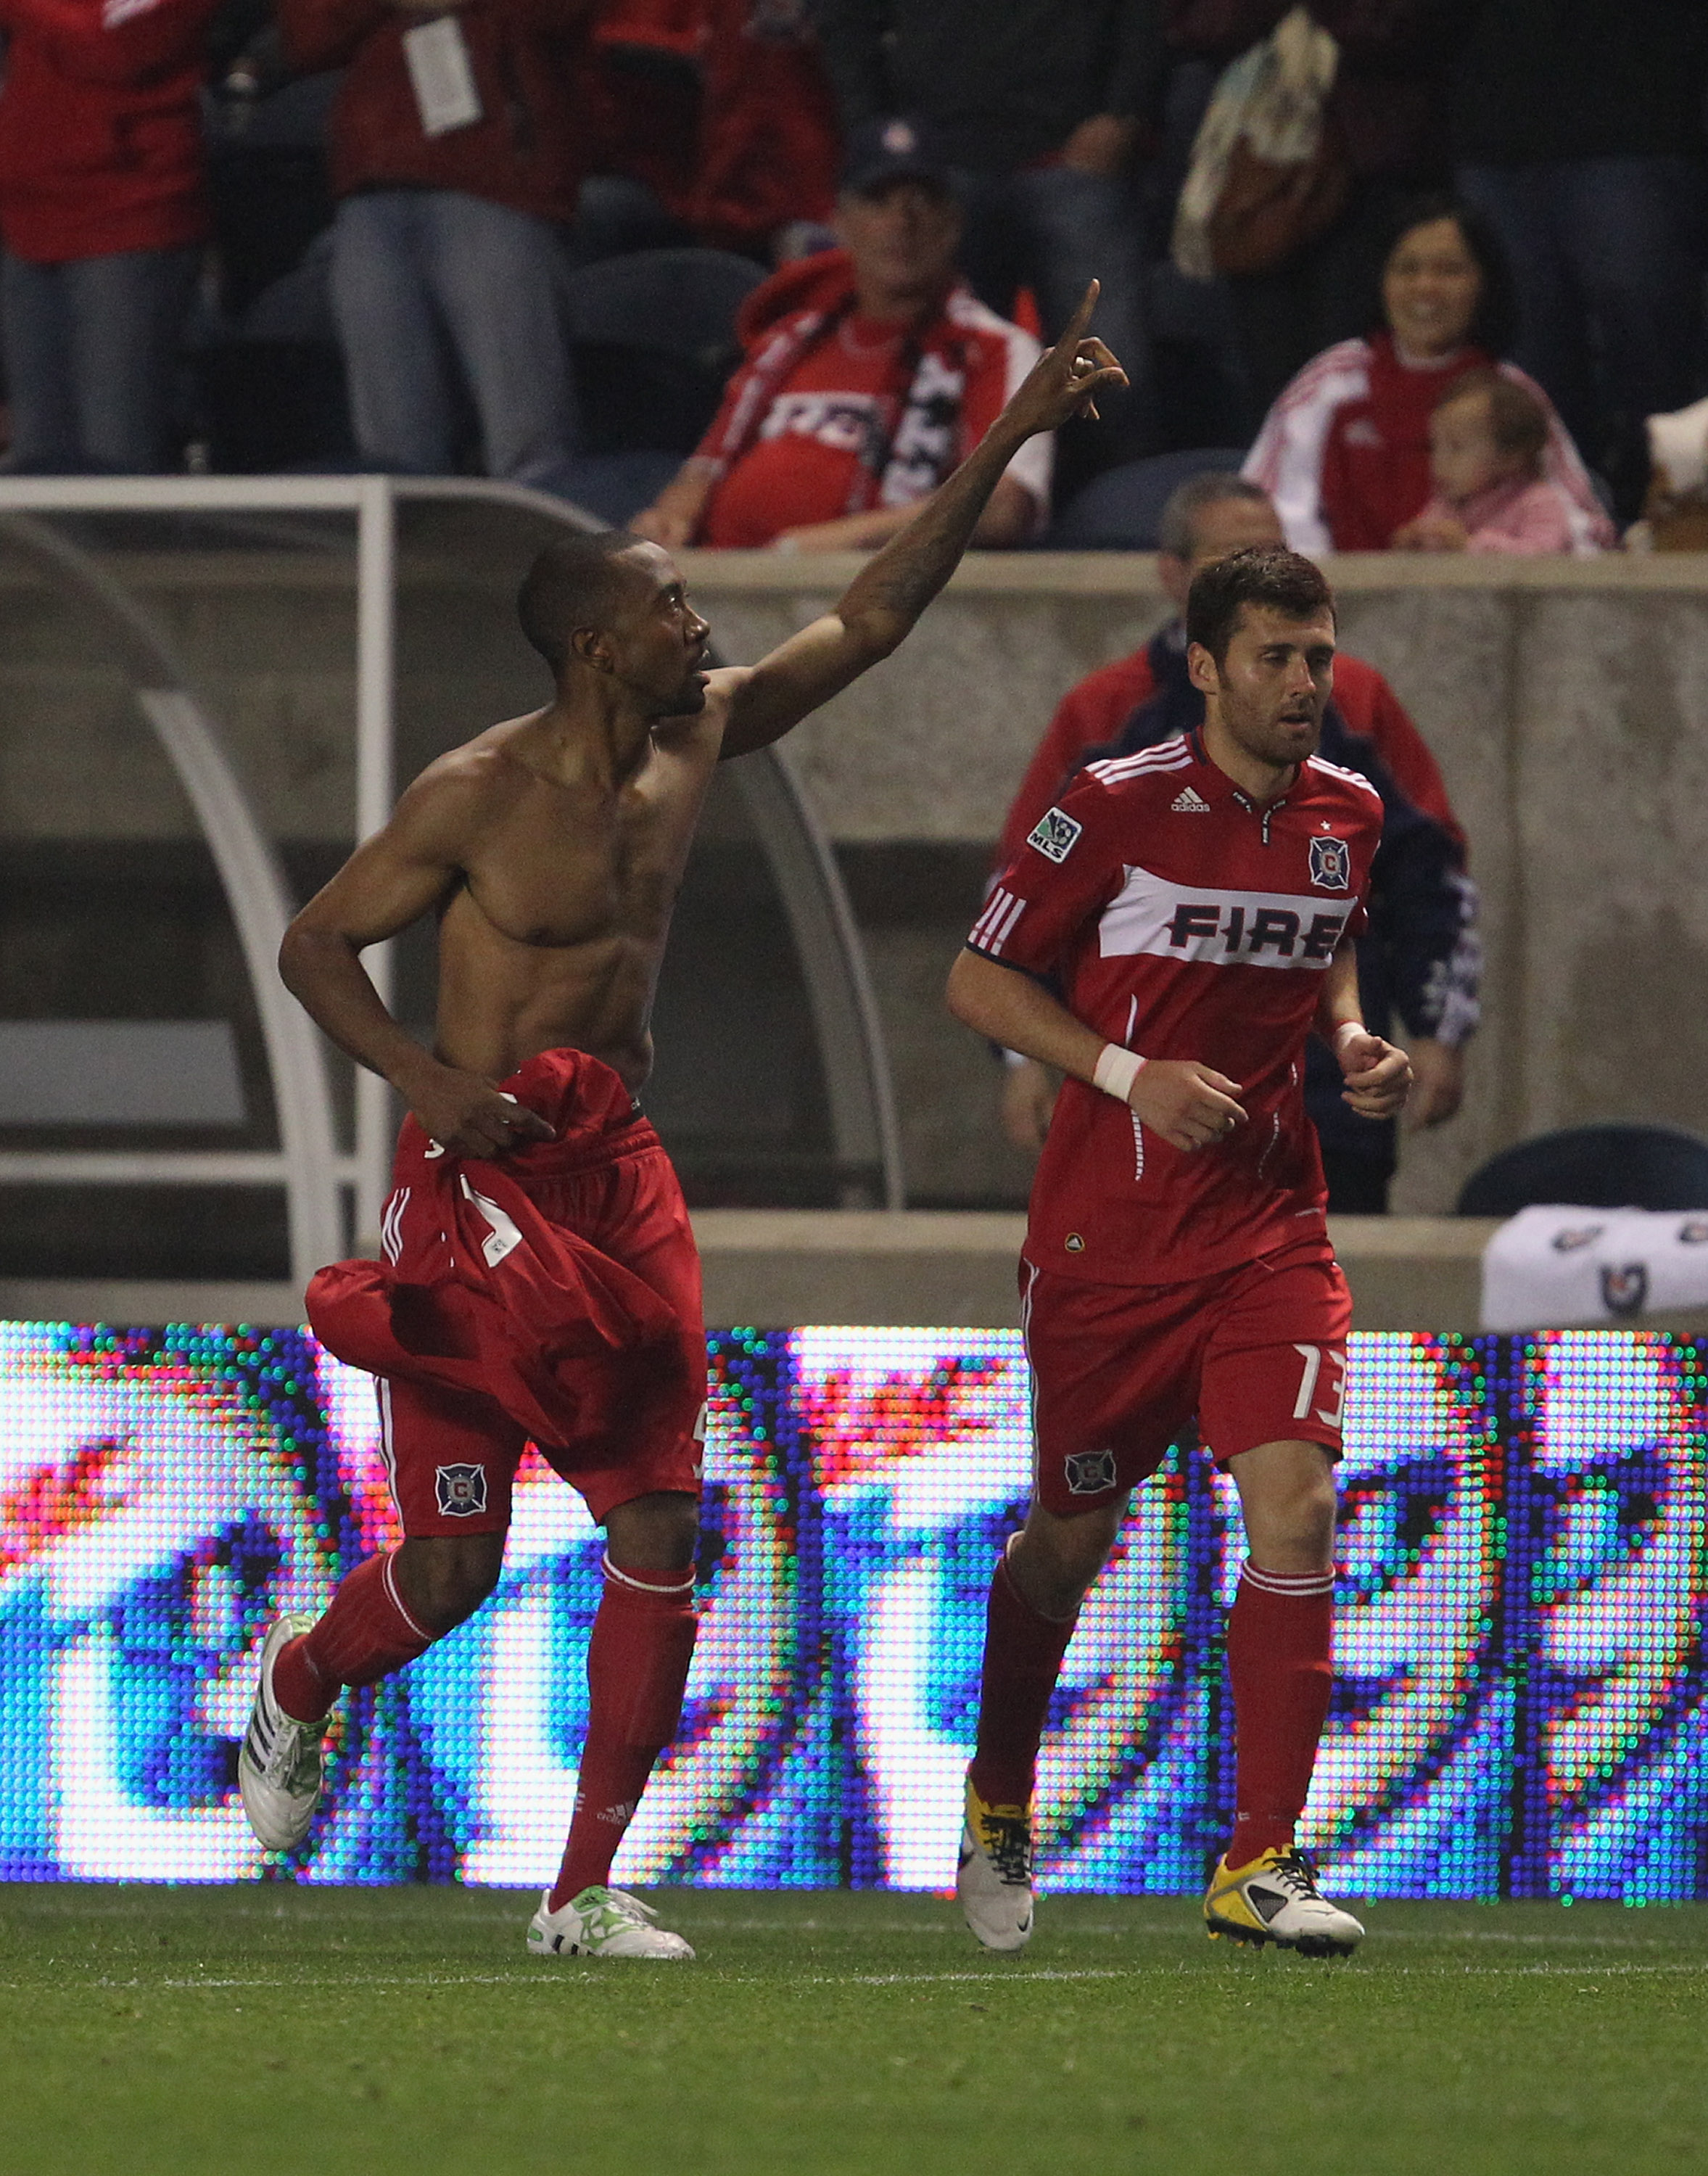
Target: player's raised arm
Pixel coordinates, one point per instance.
(390, 881)
(888, 595)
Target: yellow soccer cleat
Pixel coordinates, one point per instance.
(1275, 1899)
(994, 1878)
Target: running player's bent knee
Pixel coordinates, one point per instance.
(1052, 1561)
(655, 1532)
(445, 1578)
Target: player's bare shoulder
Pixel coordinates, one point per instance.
(464, 790)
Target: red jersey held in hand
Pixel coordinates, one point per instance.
(1181, 919)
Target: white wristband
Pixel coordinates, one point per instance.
(1116, 1071)
(1349, 1027)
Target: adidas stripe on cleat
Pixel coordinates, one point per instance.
(602, 1923)
(280, 1767)
(994, 1880)
(1275, 1900)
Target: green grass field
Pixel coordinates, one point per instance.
(407, 2031)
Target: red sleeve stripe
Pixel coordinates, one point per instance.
(996, 925)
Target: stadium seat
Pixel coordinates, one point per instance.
(1120, 511)
(1601, 1166)
(653, 338)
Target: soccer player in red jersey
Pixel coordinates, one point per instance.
(1194, 906)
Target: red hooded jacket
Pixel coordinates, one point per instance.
(100, 129)
(527, 150)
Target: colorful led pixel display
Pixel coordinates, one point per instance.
(1520, 1710)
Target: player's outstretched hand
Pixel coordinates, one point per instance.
(469, 1117)
(1066, 378)
(1191, 1105)
(1378, 1076)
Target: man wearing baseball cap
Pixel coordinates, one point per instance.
(871, 372)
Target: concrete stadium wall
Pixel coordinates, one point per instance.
(1568, 703)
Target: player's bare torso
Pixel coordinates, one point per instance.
(554, 932)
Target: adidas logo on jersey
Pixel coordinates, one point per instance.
(1187, 802)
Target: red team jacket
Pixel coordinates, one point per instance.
(1178, 918)
(100, 127)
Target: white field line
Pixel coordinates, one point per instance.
(540, 1976)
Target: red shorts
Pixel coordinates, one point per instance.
(1258, 1353)
(452, 1458)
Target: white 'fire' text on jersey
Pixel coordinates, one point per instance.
(1177, 917)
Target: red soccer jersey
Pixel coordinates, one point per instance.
(1178, 918)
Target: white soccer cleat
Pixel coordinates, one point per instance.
(994, 1880)
(1275, 1899)
(602, 1923)
(281, 1770)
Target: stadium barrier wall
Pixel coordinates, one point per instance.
(1520, 1707)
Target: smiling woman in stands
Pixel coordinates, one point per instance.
(1345, 451)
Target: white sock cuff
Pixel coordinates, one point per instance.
(646, 1585)
(389, 1578)
(1301, 1584)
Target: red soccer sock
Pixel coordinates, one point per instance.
(637, 1667)
(1280, 1633)
(367, 1634)
(1023, 1656)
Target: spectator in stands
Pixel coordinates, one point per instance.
(102, 215)
(1345, 451)
(1420, 957)
(456, 158)
(1386, 114)
(1578, 129)
(1041, 105)
(871, 372)
(1487, 440)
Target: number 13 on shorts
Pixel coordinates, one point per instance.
(1313, 1357)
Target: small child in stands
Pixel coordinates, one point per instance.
(1487, 439)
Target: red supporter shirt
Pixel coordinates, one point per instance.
(804, 464)
(1178, 918)
(100, 126)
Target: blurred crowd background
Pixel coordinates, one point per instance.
(758, 272)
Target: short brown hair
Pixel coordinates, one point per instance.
(1516, 417)
(1262, 574)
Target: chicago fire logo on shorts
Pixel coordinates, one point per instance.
(462, 1490)
(1331, 865)
(1090, 1472)
(1055, 836)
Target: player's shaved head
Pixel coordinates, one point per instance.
(1265, 575)
(575, 582)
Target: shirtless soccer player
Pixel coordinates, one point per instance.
(1195, 904)
(542, 1281)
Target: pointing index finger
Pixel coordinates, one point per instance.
(1081, 317)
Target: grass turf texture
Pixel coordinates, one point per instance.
(376, 2031)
